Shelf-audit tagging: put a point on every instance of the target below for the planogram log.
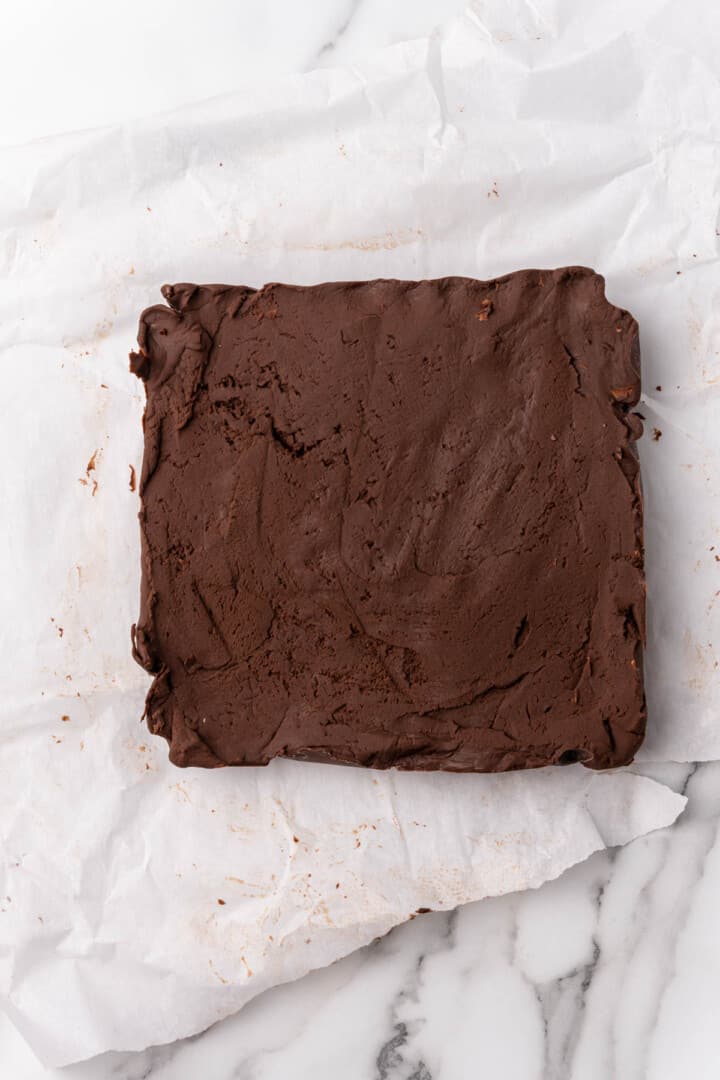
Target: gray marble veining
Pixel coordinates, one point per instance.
(611, 972)
(590, 977)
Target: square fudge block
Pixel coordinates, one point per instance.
(393, 523)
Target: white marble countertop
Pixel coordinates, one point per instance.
(612, 971)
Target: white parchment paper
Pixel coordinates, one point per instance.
(140, 903)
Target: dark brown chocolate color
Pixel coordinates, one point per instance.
(393, 523)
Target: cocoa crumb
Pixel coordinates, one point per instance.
(623, 393)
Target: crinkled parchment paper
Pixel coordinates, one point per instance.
(139, 902)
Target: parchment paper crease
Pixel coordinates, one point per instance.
(142, 903)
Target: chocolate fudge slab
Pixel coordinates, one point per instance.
(393, 523)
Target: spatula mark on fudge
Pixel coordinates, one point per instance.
(393, 523)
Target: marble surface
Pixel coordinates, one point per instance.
(79, 65)
(612, 971)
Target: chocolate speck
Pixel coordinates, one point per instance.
(656, 434)
(221, 903)
(90, 467)
(132, 477)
